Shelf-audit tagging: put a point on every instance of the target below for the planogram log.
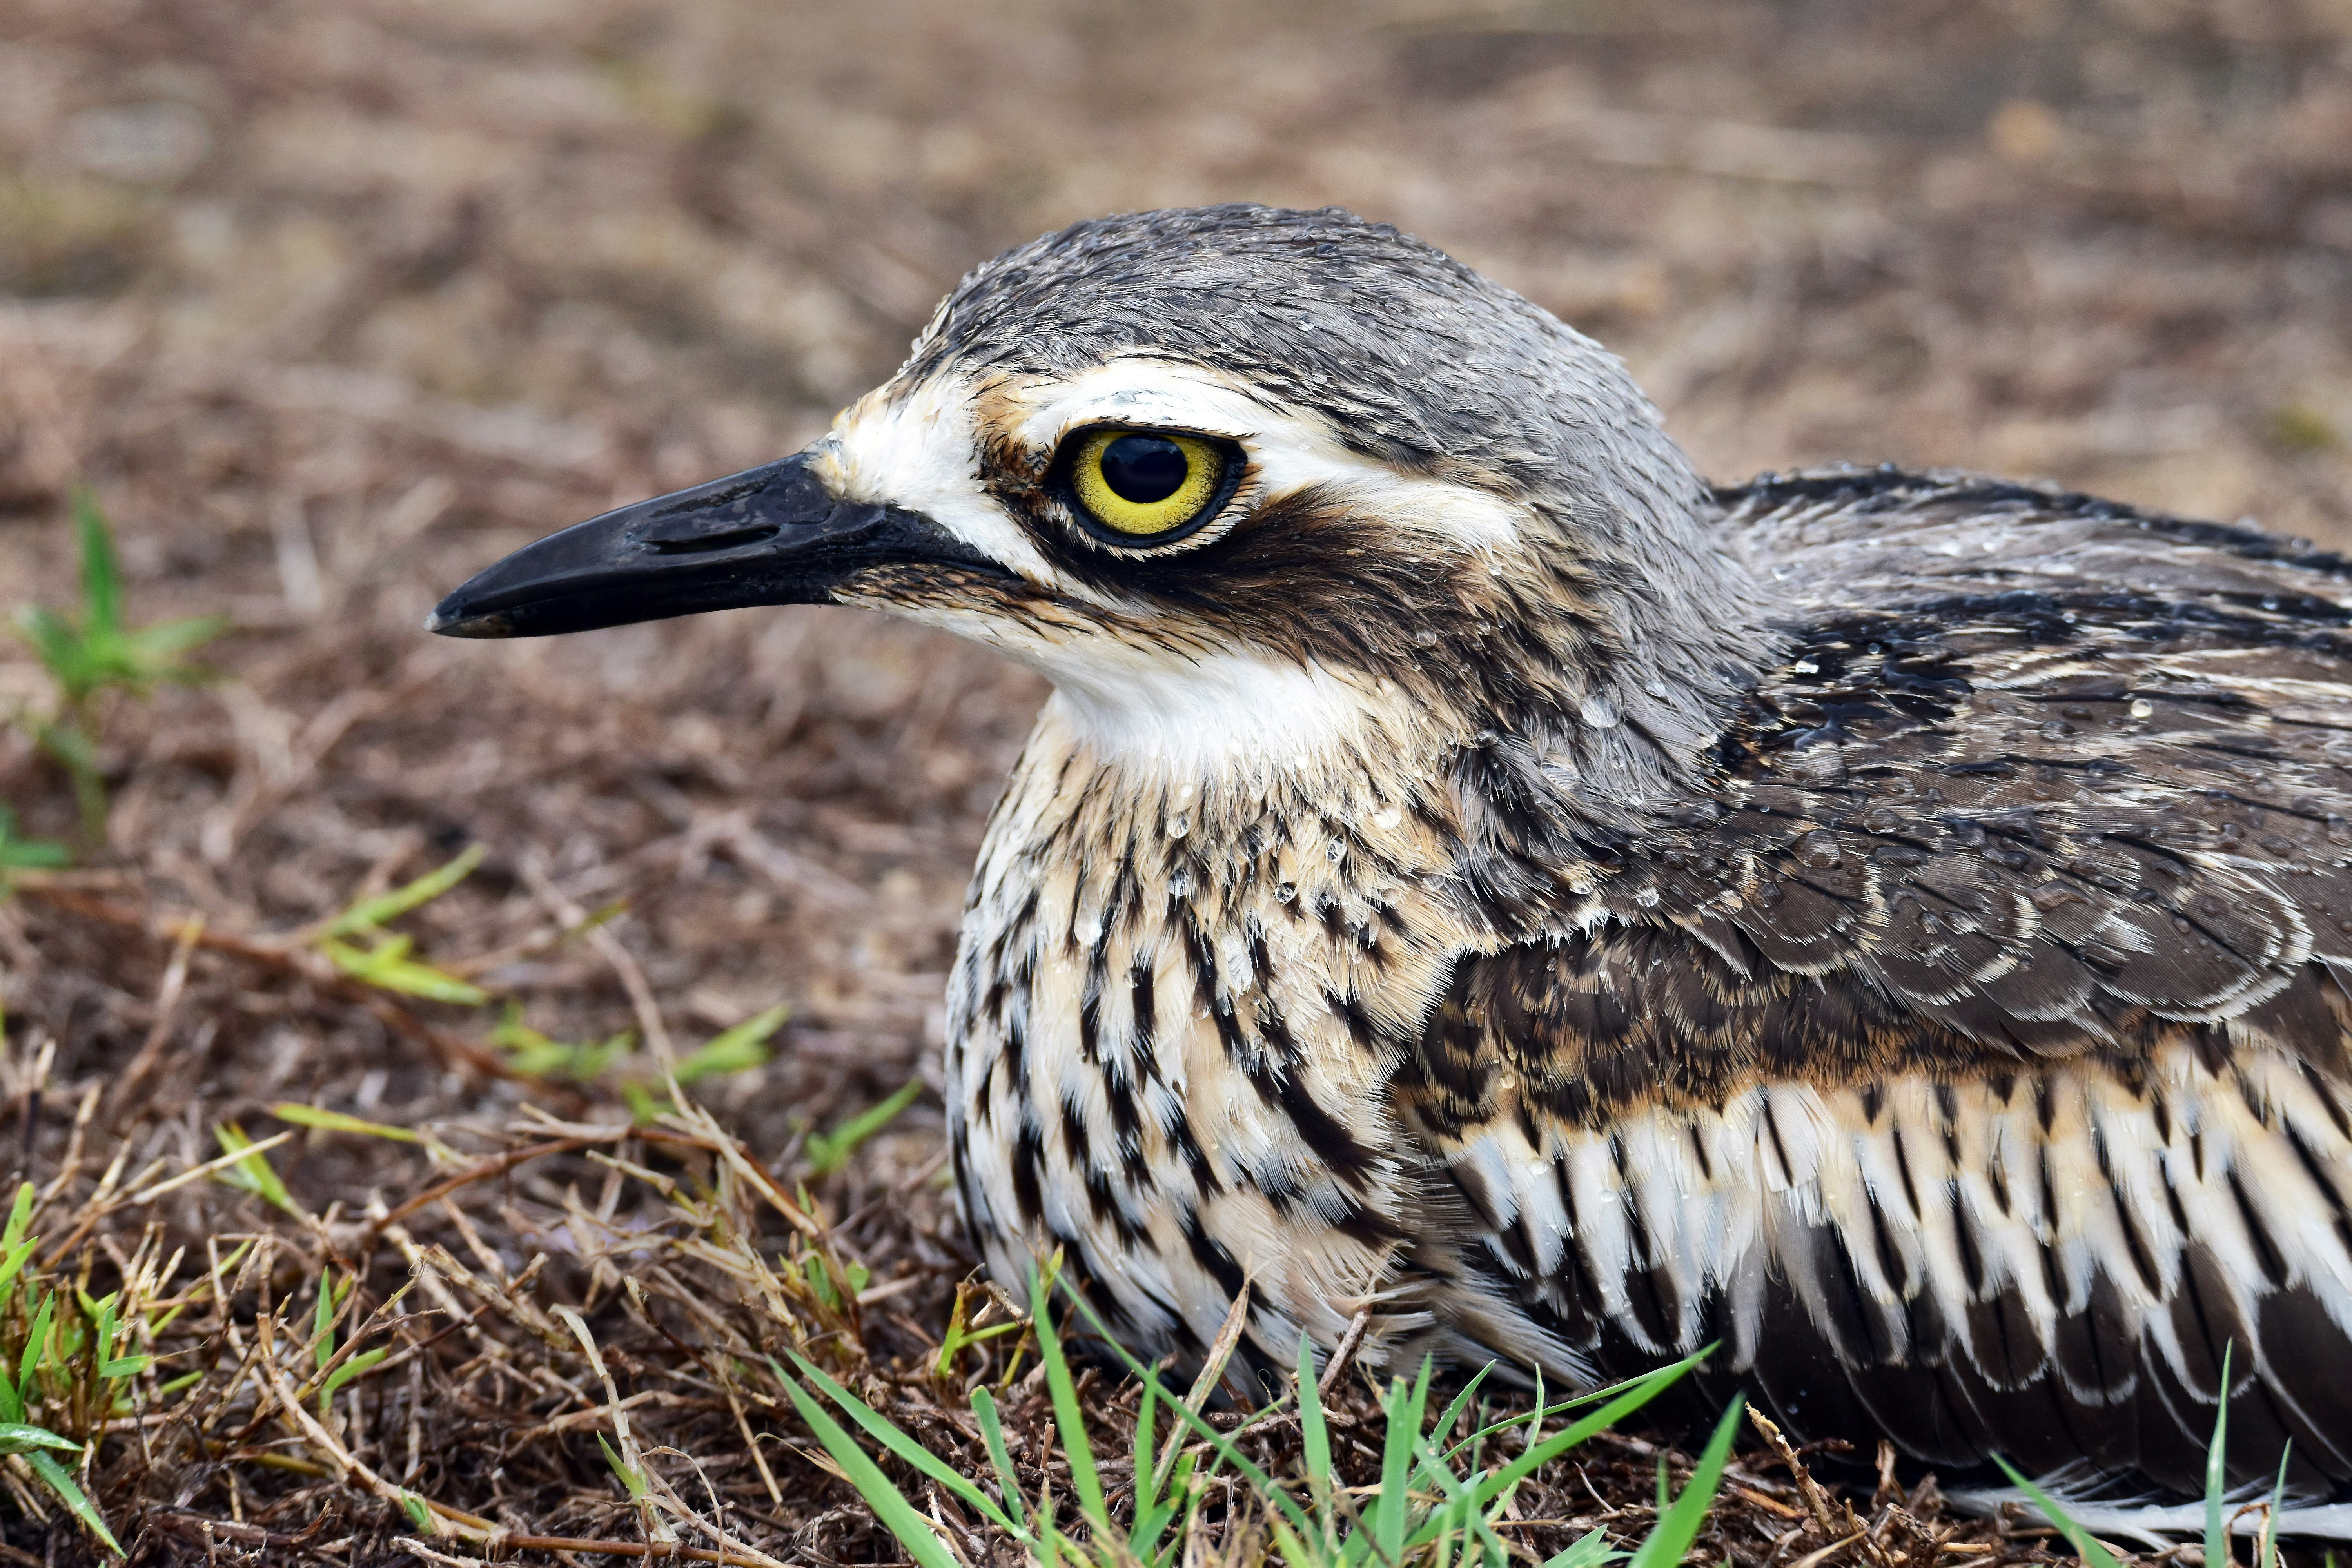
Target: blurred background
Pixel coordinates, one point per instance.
(332, 304)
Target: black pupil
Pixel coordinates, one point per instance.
(1144, 468)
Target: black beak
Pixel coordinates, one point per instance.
(774, 535)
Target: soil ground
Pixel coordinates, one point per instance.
(330, 305)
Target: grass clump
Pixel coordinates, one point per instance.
(89, 651)
(73, 1368)
(18, 853)
(1439, 1499)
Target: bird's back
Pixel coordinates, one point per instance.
(1971, 1061)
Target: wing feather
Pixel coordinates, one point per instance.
(1976, 1067)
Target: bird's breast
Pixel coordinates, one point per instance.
(1174, 1020)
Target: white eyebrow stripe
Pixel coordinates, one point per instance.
(1136, 389)
(918, 448)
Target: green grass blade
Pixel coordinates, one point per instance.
(1679, 1525)
(1459, 1516)
(358, 1366)
(16, 1437)
(1543, 1411)
(322, 1322)
(889, 1505)
(110, 1365)
(2217, 1480)
(1219, 1444)
(157, 644)
(337, 1122)
(1147, 1482)
(101, 579)
(1585, 1552)
(1444, 1423)
(254, 1174)
(58, 1480)
(14, 1265)
(1404, 1408)
(1048, 1539)
(828, 1152)
(37, 1348)
(631, 1481)
(1180, 1489)
(1154, 1511)
(887, 1433)
(58, 645)
(2089, 1551)
(1314, 1431)
(738, 1049)
(2266, 1548)
(28, 854)
(1076, 1445)
(20, 1215)
(991, 1434)
(369, 913)
(1643, 1391)
(1292, 1550)
(388, 967)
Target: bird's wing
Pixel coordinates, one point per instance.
(1975, 1066)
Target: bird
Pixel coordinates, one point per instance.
(1476, 882)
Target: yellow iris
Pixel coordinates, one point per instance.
(1145, 482)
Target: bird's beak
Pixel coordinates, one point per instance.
(774, 535)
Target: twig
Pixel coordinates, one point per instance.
(1816, 1558)
(1817, 1501)
(1345, 1351)
(481, 1170)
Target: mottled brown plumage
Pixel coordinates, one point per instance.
(1890, 925)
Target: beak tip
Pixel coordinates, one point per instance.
(445, 620)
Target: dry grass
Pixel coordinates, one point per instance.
(333, 304)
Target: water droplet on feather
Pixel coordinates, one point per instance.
(1819, 850)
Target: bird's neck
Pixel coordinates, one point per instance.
(1516, 812)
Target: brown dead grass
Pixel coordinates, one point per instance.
(333, 305)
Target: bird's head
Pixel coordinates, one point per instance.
(1248, 485)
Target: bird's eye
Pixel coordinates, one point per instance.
(1143, 485)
